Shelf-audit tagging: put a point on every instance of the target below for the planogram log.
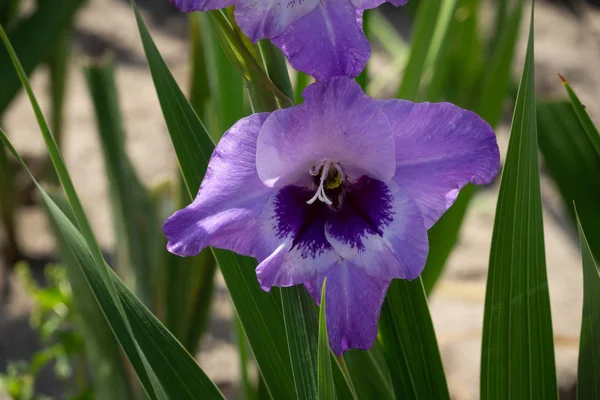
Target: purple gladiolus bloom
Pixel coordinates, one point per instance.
(323, 38)
(342, 186)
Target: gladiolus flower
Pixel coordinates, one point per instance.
(323, 38)
(341, 186)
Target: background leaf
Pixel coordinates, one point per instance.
(138, 240)
(422, 36)
(572, 162)
(33, 40)
(483, 90)
(588, 368)
(583, 116)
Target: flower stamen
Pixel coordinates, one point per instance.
(324, 166)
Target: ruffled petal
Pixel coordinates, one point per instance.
(201, 5)
(353, 303)
(293, 248)
(380, 230)
(327, 42)
(269, 18)
(226, 210)
(439, 149)
(337, 121)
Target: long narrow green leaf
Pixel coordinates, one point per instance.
(57, 159)
(583, 116)
(259, 312)
(33, 40)
(8, 208)
(137, 236)
(246, 390)
(227, 87)
(59, 73)
(302, 81)
(369, 373)
(497, 77)
(344, 386)
(437, 58)
(517, 359)
(262, 318)
(276, 67)
(105, 358)
(588, 368)
(188, 289)
(410, 346)
(264, 94)
(487, 99)
(166, 370)
(443, 236)
(149, 381)
(301, 327)
(572, 162)
(326, 389)
(427, 13)
(182, 122)
(363, 78)
(158, 383)
(468, 57)
(199, 54)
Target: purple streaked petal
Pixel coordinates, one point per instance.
(337, 121)
(380, 230)
(367, 4)
(327, 42)
(226, 210)
(293, 248)
(439, 149)
(269, 18)
(353, 303)
(201, 5)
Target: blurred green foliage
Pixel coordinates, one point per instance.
(56, 320)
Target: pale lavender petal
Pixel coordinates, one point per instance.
(353, 303)
(337, 121)
(367, 4)
(439, 149)
(201, 5)
(293, 248)
(380, 230)
(269, 18)
(327, 42)
(226, 210)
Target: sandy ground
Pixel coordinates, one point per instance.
(457, 304)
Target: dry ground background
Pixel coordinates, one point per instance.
(564, 43)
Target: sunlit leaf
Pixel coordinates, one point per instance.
(517, 359)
